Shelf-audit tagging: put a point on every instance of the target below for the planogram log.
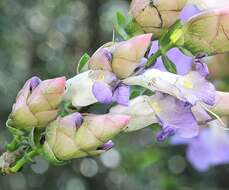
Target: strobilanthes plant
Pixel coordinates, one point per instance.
(152, 73)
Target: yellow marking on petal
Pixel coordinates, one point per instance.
(156, 107)
(187, 83)
(101, 77)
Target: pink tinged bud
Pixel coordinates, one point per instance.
(65, 139)
(98, 129)
(101, 60)
(127, 55)
(36, 104)
(208, 32)
(156, 16)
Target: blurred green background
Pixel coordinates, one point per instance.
(46, 38)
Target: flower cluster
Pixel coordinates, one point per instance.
(53, 118)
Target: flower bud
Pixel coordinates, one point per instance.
(67, 139)
(101, 60)
(36, 104)
(156, 16)
(121, 58)
(127, 55)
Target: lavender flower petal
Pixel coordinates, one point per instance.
(34, 82)
(122, 94)
(182, 62)
(165, 133)
(102, 92)
(188, 11)
(202, 68)
(176, 114)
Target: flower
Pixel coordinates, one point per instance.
(191, 87)
(171, 113)
(121, 58)
(37, 103)
(82, 90)
(210, 148)
(104, 94)
(142, 115)
(74, 136)
(183, 63)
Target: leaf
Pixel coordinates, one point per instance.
(120, 25)
(208, 32)
(83, 63)
(12, 130)
(169, 65)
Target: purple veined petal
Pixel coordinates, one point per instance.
(196, 88)
(175, 113)
(153, 49)
(102, 92)
(210, 148)
(107, 146)
(34, 82)
(188, 11)
(165, 133)
(182, 62)
(78, 119)
(202, 68)
(122, 94)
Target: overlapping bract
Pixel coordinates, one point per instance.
(37, 103)
(121, 58)
(75, 136)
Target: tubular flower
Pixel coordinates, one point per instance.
(121, 58)
(79, 89)
(37, 103)
(75, 136)
(156, 16)
(175, 118)
(192, 87)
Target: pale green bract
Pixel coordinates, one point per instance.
(207, 32)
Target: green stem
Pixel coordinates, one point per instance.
(14, 144)
(152, 60)
(26, 158)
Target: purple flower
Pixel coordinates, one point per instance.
(183, 63)
(105, 94)
(210, 148)
(188, 11)
(201, 67)
(174, 116)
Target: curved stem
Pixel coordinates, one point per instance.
(26, 158)
(14, 144)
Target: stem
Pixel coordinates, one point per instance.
(14, 144)
(152, 60)
(26, 158)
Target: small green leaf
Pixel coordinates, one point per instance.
(169, 65)
(83, 63)
(120, 25)
(12, 130)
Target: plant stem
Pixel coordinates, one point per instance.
(152, 60)
(26, 158)
(14, 144)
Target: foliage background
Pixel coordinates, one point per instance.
(46, 38)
